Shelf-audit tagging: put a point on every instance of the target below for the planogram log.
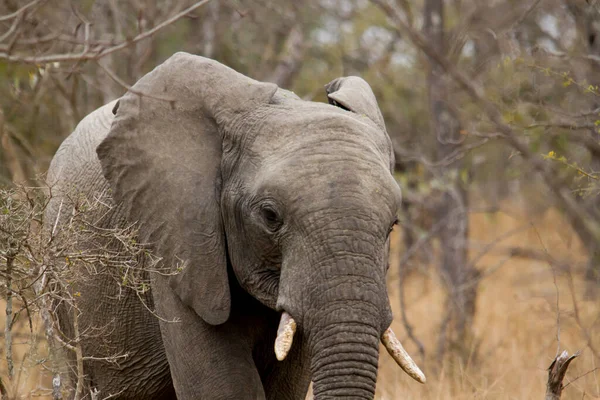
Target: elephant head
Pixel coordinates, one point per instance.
(296, 197)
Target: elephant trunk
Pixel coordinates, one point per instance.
(344, 353)
(343, 313)
(349, 311)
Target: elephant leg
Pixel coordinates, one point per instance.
(206, 362)
(115, 325)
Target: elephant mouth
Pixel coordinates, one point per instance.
(287, 329)
(263, 285)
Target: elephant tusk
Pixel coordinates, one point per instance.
(285, 336)
(394, 347)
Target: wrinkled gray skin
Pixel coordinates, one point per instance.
(274, 203)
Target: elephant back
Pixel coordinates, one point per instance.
(75, 169)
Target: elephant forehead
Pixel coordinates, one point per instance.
(320, 182)
(320, 128)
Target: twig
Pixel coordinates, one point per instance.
(557, 291)
(20, 10)
(78, 354)
(57, 219)
(562, 125)
(486, 249)
(10, 257)
(581, 376)
(454, 156)
(12, 29)
(53, 349)
(119, 81)
(405, 322)
(577, 316)
(526, 252)
(524, 16)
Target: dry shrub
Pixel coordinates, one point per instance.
(29, 351)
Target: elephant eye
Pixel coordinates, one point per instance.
(271, 218)
(391, 228)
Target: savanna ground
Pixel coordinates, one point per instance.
(526, 309)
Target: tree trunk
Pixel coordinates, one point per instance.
(105, 22)
(587, 21)
(11, 155)
(209, 30)
(451, 214)
(289, 59)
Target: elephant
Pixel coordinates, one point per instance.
(272, 214)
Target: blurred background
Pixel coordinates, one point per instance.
(493, 108)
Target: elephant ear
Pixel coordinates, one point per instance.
(162, 158)
(354, 94)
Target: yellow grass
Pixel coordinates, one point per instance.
(28, 350)
(515, 322)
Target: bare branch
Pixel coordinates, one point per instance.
(577, 315)
(290, 57)
(12, 28)
(561, 125)
(9, 314)
(78, 355)
(89, 53)
(21, 10)
(118, 80)
(524, 16)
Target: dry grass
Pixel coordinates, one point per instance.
(515, 323)
(28, 350)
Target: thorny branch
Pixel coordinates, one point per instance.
(43, 266)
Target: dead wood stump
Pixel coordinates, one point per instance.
(556, 374)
